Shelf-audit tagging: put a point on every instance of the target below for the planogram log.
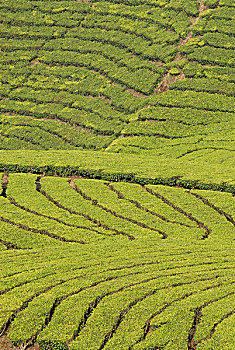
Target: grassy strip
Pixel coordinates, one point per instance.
(121, 167)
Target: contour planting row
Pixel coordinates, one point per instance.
(215, 28)
(31, 133)
(152, 14)
(140, 80)
(72, 79)
(21, 53)
(55, 211)
(63, 98)
(31, 14)
(113, 58)
(100, 9)
(179, 114)
(147, 292)
(218, 146)
(69, 115)
(196, 70)
(126, 167)
(173, 131)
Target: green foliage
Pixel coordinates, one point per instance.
(96, 75)
(52, 345)
(117, 215)
(212, 55)
(201, 84)
(219, 40)
(212, 3)
(121, 167)
(41, 134)
(214, 25)
(198, 100)
(61, 294)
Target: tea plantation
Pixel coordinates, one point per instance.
(117, 171)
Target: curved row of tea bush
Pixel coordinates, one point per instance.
(57, 291)
(97, 73)
(124, 167)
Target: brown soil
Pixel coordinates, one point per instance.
(132, 54)
(36, 61)
(189, 36)
(5, 344)
(158, 64)
(136, 94)
(4, 178)
(165, 83)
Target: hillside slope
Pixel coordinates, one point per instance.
(131, 76)
(117, 163)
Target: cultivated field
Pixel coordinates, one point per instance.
(132, 76)
(92, 264)
(117, 208)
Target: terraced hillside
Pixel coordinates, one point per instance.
(123, 76)
(116, 161)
